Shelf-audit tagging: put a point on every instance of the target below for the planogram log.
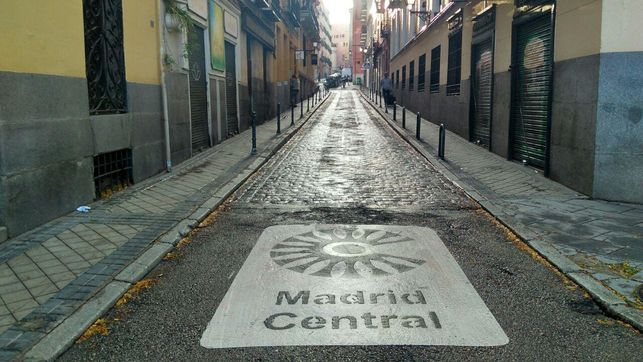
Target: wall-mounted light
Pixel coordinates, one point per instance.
(422, 14)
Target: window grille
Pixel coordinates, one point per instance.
(112, 172)
(104, 56)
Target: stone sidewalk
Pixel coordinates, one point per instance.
(598, 244)
(48, 274)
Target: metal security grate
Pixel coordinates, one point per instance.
(411, 74)
(434, 82)
(454, 63)
(404, 77)
(421, 71)
(112, 172)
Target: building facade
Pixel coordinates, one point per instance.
(358, 39)
(340, 43)
(81, 105)
(107, 93)
(325, 63)
(554, 85)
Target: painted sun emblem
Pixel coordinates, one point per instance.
(344, 253)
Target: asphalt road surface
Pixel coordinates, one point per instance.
(347, 167)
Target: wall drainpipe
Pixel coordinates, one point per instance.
(166, 120)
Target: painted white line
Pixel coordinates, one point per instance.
(351, 285)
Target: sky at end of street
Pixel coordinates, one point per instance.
(338, 10)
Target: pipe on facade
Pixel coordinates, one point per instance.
(166, 120)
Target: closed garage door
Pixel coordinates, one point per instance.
(198, 93)
(531, 91)
(481, 93)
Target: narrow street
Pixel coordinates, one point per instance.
(473, 291)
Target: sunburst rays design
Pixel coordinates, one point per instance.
(343, 252)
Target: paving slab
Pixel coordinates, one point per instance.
(50, 272)
(557, 221)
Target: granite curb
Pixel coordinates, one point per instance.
(608, 300)
(63, 336)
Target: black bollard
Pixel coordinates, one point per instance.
(403, 117)
(394, 111)
(307, 104)
(292, 116)
(441, 141)
(417, 126)
(278, 118)
(254, 133)
(301, 107)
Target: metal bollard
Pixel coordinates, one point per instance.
(254, 133)
(307, 103)
(380, 98)
(403, 117)
(292, 116)
(394, 111)
(441, 140)
(278, 118)
(417, 127)
(301, 107)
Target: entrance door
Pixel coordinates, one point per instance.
(531, 91)
(231, 90)
(198, 92)
(481, 93)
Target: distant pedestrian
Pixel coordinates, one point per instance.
(294, 90)
(386, 86)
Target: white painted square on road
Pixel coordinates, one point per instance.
(351, 285)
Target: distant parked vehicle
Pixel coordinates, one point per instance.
(333, 80)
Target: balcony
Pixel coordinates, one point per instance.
(270, 12)
(309, 22)
(385, 31)
(377, 48)
(291, 15)
(531, 3)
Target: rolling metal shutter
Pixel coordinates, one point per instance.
(531, 91)
(198, 94)
(482, 92)
(231, 90)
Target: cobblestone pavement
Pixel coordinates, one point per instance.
(602, 238)
(347, 160)
(48, 273)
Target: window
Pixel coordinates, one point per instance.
(404, 77)
(104, 56)
(397, 77)
(455, 60)
(421, 70)
(411, 74)
(434, 82)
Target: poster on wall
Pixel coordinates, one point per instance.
(217, 45)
